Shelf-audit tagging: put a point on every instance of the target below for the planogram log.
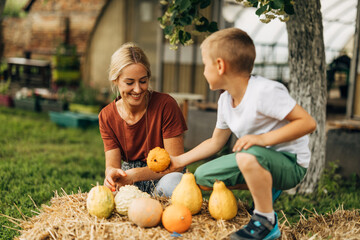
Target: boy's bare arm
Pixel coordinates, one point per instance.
(204, 150)
(300, 124)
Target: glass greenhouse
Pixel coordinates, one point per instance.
(271, 38)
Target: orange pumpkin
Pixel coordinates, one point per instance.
(145, 212)
(176, 218)
(158, 159)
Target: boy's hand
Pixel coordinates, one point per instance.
(174, 166)
(247, 141)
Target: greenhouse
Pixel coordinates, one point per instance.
(271, 38)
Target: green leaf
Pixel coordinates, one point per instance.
(192, 12)
(184, 5)
(205, 4)
(185, 21)
(213, 27)
(168, 29)
(261, 10)
(276, 4)
(184, 37)
(174, 15)
(289, 9)
(204, 26)
(180, 36)
(254, 3)
(187, 36)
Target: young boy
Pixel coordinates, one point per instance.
(272, 147)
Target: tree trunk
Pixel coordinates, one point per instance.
(308, 80)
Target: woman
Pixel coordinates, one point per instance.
(136, 122)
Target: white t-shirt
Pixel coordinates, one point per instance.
(263, 108)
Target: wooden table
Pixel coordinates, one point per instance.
(183, 100)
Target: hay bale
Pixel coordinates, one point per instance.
(67, 218)
(339, 224)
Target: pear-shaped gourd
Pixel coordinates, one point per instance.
(100, 202)
(188, 194)
(222, 202)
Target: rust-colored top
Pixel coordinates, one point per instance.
(164, 120)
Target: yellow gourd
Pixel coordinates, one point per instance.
(100, 202)
(222, 202)
(188, 194)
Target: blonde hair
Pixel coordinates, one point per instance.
(234, 46)
(126, 55)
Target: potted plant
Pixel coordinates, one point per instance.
(5, 98)
(85, 100)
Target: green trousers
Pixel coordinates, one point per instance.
(286, 173)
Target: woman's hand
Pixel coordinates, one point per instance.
(115, 178)
(247, 141)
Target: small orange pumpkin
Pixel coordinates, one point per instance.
(158, 159)
(176, 218)
(145, 212)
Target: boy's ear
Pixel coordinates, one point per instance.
(220, 63)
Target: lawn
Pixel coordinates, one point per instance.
(38, 158)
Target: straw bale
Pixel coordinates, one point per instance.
(67, 218)
(338, 224)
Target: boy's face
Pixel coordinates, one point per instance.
(210, 70)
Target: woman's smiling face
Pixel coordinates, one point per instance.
(133, 84)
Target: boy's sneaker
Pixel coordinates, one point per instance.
(258, 228)
(275, 195)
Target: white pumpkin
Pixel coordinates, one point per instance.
(125, 196)
(100, 202)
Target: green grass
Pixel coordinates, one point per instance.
(37, 158)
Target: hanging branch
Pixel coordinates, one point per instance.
(182, 18)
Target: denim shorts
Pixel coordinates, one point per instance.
(285, 171)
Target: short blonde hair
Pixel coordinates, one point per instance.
(126, 55)
(234, 46)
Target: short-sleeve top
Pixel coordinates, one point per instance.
(163, 119)
(263, 108)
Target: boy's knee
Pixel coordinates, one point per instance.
(246, 161)
(201, 177)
